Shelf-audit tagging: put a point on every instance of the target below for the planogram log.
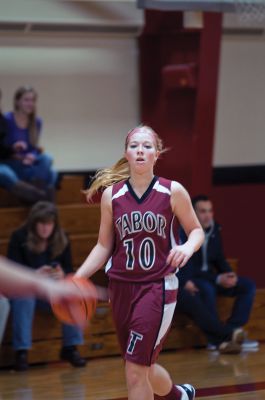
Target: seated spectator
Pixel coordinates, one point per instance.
(8, 177)
(207, 275)
(27, 161)
(42, 245)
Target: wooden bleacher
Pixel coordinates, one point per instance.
(81, 221)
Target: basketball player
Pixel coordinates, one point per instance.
(136, 238)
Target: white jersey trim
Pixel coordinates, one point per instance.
(172, 235)
(121, 192)
(171, 283)
(166, 321)
(108, 265)
(160, 188)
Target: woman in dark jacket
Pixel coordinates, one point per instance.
(42, 245)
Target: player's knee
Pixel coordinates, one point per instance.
(135, 374)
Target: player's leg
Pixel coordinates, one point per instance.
(160, 380)
(143, 382)
(137, 380)
(164, 388)
(142, 315)
(138, 313)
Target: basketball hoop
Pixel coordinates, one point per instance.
(250, 10)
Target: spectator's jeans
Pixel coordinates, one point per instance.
(40, 171)
(193, 305)
(4, 311)
(22, 317)
(243, 292)
(8, 178)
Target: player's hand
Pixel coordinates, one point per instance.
(227, 279)
(191, 288)
(62, 290)
(179, 255)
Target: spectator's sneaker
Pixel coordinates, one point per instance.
(229, 347)
(71, 354)
(211, 347)
(238, 338)
(248, 344)
(239, 335)
(188, 391)
(21, 360)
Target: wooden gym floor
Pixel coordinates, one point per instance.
(222, 377)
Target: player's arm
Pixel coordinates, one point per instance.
(182, 208)
(103, 249)
(18, 280)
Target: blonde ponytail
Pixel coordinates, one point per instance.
(108, 176)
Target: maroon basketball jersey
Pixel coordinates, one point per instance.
(143, 232)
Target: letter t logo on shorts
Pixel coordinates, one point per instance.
(134, 337)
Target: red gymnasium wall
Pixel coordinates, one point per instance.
(178, 80)
(178, 76)
(240, 210)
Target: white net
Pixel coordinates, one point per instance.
(250, 10)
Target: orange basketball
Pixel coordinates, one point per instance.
(78, 311)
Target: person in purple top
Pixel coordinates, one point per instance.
(27, 162)
(136, 240)
(8, 178)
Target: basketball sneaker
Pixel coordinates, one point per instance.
(188, 391)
